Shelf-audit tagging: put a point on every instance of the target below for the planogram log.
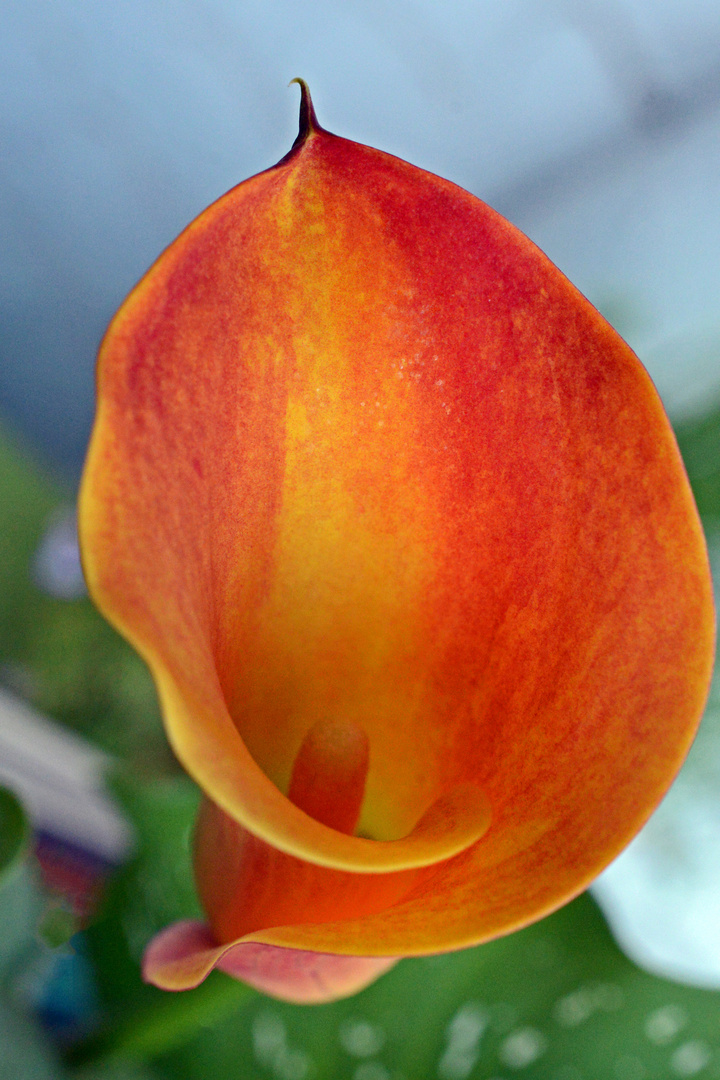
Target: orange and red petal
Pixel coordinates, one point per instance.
(363, 453)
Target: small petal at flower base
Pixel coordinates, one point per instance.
(400, 526)
(184, 954)
(246, 886)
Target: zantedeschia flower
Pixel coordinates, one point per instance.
(400, 526)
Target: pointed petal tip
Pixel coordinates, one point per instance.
(181, 956)
(308, 120)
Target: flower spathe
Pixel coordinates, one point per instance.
(400, 526)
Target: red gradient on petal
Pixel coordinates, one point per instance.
(364, 454)
(246, 886)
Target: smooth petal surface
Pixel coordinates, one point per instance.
(362, 453)
(246, 886)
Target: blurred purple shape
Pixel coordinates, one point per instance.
(56, 568)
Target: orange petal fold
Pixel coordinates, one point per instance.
(184, 954)
(365, 461)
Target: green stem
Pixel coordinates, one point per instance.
(165, 1025)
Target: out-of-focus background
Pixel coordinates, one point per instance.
(595, 127)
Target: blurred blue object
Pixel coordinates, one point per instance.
(61, 990)
(594, 127)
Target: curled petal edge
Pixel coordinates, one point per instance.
(221, 765)
(183, 955)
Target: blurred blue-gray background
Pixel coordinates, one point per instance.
(594, 126)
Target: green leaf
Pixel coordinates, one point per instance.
(116, 1071)
(159, 884)
(155, 889)
(14, 834)
(699, 442)
(170, 1020)
(557, 1001)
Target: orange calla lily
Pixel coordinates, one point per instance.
(400, 526)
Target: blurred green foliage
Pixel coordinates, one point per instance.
(699, 442)
(26, 1053)
(557, 1001)
(19, 900)
(62, 655)
(14, 834)
(26, 499)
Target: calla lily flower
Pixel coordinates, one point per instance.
(400, 526)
